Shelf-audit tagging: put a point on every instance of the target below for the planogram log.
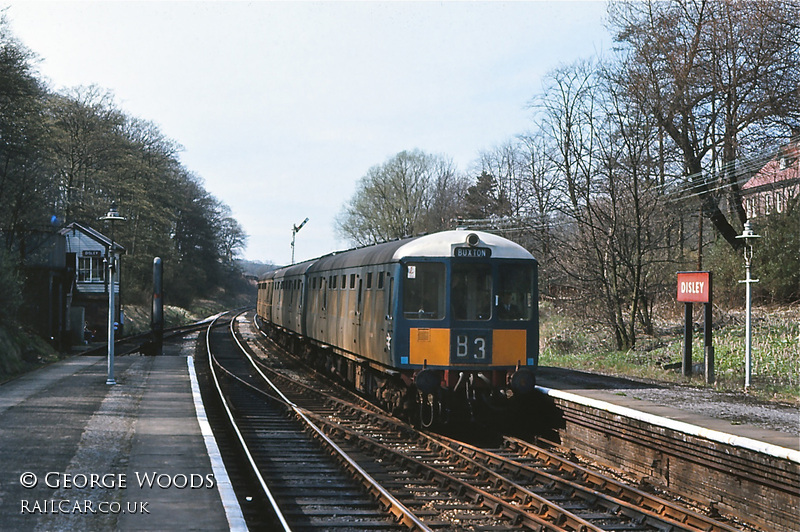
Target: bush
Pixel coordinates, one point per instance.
(10, 356)
(776, 263)
(10, 290)
(21, 350)
(567, 342)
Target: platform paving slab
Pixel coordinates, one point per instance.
(63, 424)
(727, 413)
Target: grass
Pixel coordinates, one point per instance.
(137, 318)
(22, 351)
(570, 343)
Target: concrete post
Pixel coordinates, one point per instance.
(157, 315)
(111, 316)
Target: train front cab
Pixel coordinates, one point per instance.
(468, 323)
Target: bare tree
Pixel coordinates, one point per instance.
(25, 200)
(231, 236)
(411, 193)
(87, 126)
(507, 165)
(543, 198)
(601, 154)
(567, 119)
(448, 190)
(716, 76)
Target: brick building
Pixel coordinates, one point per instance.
(775, 185)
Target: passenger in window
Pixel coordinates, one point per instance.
(508, 309)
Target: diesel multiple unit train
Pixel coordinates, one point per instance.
(430, 321)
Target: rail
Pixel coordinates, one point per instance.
(245, 449)
(401, 513)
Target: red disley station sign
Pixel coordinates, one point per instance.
(693, 287)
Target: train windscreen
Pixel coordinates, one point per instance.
(423, 291)
(471, 291)
(515, 292)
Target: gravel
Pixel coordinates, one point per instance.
(735, 407)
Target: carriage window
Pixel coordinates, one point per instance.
(369, 280)
(423, 291)
(390, 299)
(300, 294)
(471, 291)
(515, 292)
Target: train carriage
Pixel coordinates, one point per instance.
(281, 298)
(434, 314)
(468, 302)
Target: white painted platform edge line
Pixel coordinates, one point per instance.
(233, 512)
(680, 426)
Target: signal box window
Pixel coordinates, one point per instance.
(423, 291)
(90, 269)
(515, 292)
(471, 291)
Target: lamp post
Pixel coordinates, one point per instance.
(295, 229)
(748, 235)
(111, 216)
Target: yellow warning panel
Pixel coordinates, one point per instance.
(432, 345)
(508, 347)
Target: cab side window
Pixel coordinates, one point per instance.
(423, 291)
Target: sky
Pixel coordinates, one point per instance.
(281, 107)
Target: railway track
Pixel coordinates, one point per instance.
(143, 342)
(307, 434)
(303, 479)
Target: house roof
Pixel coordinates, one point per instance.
(91, 233)
(782, 170)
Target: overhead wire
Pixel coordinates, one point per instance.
(715, 181)
(683, 189)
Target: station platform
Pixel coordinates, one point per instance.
(78, 454)
(733, 414)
